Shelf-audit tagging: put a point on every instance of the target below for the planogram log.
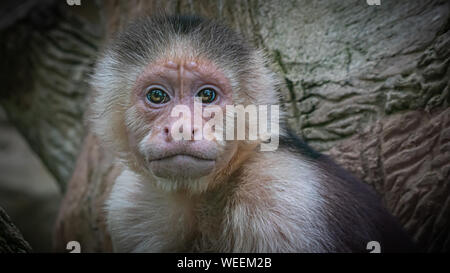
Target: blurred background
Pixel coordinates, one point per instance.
(364, 83)
(28, 192)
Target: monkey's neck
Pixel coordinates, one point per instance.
(243, 153)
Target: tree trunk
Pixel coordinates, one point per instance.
(368, 85)
(11, 240)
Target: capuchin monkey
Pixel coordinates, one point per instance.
(199, 194)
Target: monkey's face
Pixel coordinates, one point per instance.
(166, 126)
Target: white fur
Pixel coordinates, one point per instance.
(268, 209)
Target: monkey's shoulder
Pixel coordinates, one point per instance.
(312, 192)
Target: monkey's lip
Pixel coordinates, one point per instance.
(182, 166)
(183, 156)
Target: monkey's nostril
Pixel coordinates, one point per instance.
(194, 132)
(166, 134)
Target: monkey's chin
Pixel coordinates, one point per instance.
(181, 167)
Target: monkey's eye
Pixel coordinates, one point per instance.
(157, 96)
(208, 95)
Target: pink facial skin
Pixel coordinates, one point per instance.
(181, 80)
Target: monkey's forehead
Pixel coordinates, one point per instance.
(180, 63)
(200, 67)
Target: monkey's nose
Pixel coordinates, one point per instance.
(195, 131)
(169, 138)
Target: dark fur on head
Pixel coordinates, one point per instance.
(146, 37)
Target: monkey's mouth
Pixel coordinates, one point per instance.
(183, 156)
(182, 166)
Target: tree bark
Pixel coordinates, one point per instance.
(368, 85)
(11, 240)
